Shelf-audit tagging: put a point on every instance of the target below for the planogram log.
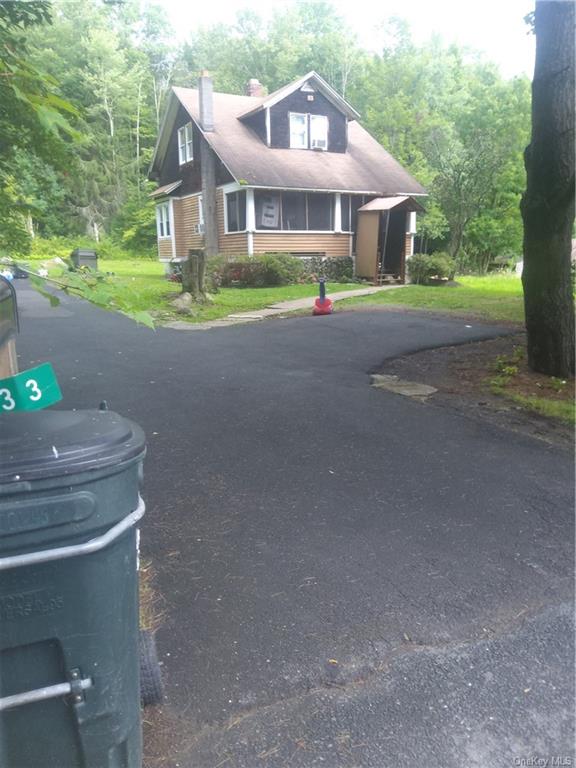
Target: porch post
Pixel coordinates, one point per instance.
(250, 220)
(338, 212)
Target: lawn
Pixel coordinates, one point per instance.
(491, 297)
(142, 281)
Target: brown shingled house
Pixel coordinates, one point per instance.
(292, 172)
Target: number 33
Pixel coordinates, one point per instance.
(8, 400)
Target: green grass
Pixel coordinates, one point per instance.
(492, 297)
(144, 283)
(562, 410)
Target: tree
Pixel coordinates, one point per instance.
(548, 203)
(32, 121)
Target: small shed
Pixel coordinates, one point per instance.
(383, 224)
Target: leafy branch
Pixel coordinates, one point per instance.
(95, 287)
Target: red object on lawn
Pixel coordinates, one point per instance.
(322, 305)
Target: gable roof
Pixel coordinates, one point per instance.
(366, 167)
(313, 79)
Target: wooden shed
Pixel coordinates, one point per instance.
(383, 230)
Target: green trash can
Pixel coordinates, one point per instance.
(69, 656)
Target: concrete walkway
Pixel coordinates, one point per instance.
(280, 308)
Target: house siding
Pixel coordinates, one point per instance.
(165, 248)
(186, 219)
(189, 173)
(409, 245)
(331, 244)
(233, 243)
(297, 102)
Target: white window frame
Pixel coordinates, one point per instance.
(293, 132)
(185, 144)
(226, 194)
(201, 227)
(320, 140)
(164, 225)
(311, 136)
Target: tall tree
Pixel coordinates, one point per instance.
(33, 122)
(548, 204)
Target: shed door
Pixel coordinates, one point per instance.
(367, 244)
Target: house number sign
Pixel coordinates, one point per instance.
(30, 390)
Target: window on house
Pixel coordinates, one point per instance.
(163, 224)
(200, 214)
(185, 153)
(298, 131)
(320, 211)
(294, 211)
(308, 131)
(345, 209)
(267, 209)
(318, 132)
(236, 211)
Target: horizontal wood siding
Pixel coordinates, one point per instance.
(186, 218)
(234, 243)
(409, 245)
(330, 244)
(165, 248)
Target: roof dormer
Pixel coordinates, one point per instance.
(307, 114)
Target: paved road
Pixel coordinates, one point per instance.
(352, 578)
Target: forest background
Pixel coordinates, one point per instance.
(443, 111)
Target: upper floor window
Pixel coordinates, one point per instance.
(318, 132)
(308, 131)
(163, 223)
(185, 153)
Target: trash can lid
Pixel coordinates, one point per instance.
(38, 445)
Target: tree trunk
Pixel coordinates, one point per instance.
(548, 203)
(194, 275)
(138, 109)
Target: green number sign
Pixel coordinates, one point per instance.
(30, 390)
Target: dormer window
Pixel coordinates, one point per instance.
(185, 154)
(308, 131)
(318, 132)
(298, 131)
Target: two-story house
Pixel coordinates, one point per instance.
(292, 172)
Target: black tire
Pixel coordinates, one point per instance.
(151, 689)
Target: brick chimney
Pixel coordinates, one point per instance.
(255, 88)
(206, 101)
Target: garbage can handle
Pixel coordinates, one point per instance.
(41, 694)
(87, 548)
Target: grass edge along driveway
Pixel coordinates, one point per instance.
(491, 297)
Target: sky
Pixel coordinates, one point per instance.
(495, 27)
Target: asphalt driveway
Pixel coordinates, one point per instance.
(352, 578)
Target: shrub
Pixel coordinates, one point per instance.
(424, 268)
(266, 269)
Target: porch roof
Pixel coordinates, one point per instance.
(166, 189)
(387, 203)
